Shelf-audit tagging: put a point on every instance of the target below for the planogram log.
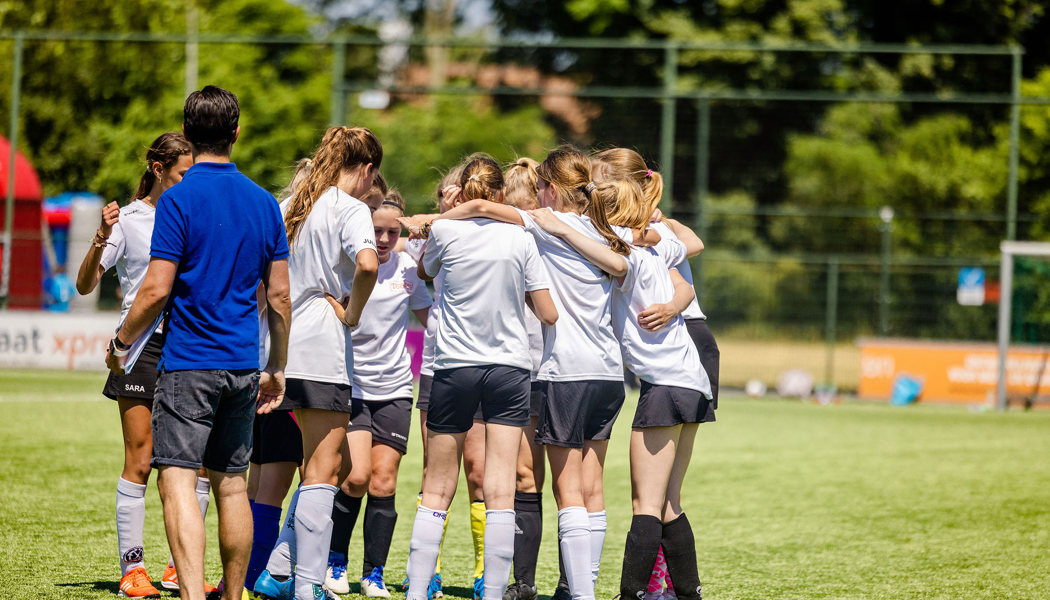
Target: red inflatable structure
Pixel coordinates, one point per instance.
(25, 290)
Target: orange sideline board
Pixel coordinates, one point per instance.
(963, 373)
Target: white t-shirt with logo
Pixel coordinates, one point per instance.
(667, 356)
(488, 266)
(322, 260)
(382, 365)
(582, 344)
(414, 248)
(128, 249)
(693, 310)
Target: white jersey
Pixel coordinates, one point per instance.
(321, 261)
(382, 365)
(667, 356)
(488, 267)
(128, 249)
(414, 248)
(693, 310)
(582, 344)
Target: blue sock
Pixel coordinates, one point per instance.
(267, 525)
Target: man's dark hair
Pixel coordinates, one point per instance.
(209, 120)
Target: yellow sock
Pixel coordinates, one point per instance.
(477, 531)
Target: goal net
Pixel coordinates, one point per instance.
(1024, 324)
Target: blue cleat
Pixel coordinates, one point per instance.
(479, 587)
(270, 588)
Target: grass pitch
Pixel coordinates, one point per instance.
(787, 500)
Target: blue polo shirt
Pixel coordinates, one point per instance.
(223, 230)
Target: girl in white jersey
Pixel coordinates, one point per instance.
(123, 241)
(675, 395)
(491, 270)
(581, 372)
(382, 406)
(332, 242)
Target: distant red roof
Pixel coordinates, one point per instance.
(27, 184)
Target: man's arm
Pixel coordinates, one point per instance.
(279, 321)
(148, 304)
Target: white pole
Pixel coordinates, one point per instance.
(1006, 283)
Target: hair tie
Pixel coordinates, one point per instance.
(589, 187)
(392, 203)
(648, 173)
(474, 177)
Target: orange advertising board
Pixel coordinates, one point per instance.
(963, 373)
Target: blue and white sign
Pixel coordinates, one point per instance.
(971, 286)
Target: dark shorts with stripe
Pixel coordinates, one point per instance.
(501, 392)
(276, 437)
(141, 382)
(667, 405)
(388, 420)
(576, 411)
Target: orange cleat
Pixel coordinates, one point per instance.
(136, 584)
(170, 581)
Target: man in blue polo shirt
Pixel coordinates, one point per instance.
(217, 236)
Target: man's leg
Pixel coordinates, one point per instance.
(235, 528)
(185, 527)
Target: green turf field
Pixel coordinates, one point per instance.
(787, 500)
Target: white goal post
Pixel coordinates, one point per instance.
(1008, 250)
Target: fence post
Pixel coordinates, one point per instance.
(886, 216)
(831, 319)
(703, 146)
(1015, 142)
(337, 110)
(9, 210)
(192, 48)
(667, 124)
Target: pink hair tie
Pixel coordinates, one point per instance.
(648, 173)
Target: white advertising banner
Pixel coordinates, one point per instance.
(47, 340)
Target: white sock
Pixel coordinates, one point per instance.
(574, 537)
(499, 551)
(131, 519)
(282, 559)
(423, 550)
(598, 526)
(203, 489)
(313, 536)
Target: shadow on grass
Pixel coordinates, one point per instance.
(106, 586)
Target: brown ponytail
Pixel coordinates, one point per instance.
(570, 172)
(341, 149)
(166, 150)
(604, 196)
(481, 179)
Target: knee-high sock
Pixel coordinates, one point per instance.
(380, 518)
(131, 520)
(639, 555)
(266, 523)
(345, 509)
(499, 551)
(680, 553)
(528, 521)
(427, 531)
(598, 527)
(574, 538)
(477, 533)
(313, 536)
(282, 558)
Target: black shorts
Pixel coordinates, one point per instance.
(388, 420)
(501, 391)
(426, 383)
(667, 405)
(305, 393)
(705, 344)
(535, 398)
(276, 437)
(141, 382)
(204, 418)
(575, 411)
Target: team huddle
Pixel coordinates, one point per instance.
(549, 280)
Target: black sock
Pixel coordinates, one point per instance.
(639, 556)
(380, 518)
(680, 554)
(528, 519)
(344, 515)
